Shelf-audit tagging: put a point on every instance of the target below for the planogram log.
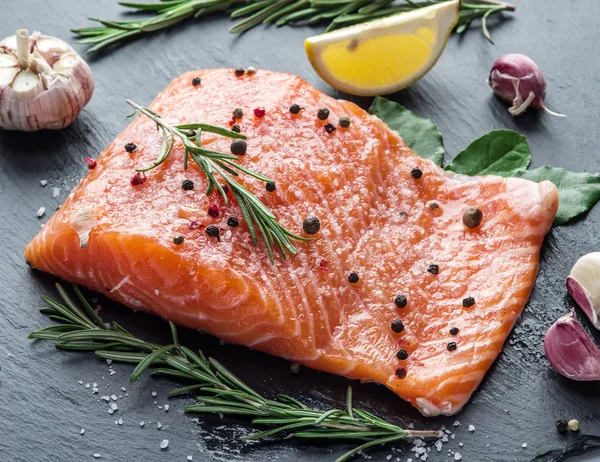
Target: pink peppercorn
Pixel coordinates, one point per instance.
(90, 163)
(213, 211)
(260, 112)
(137, 179)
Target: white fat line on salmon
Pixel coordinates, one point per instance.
(120, 284)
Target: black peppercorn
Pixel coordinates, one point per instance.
(353, 278)
(434, 205)
(178, 239)
(400, 301)
(238, 147)
(130, 147)
(239, 71)
(238, 113)
(416, 173)
(433, 268)
(468, 302)
(330, 128)
(454, 331)
(397, 326)
(311, 225)
(236, 128)
(562, 426)
(295, 109)
(472, 217)
(402, 354)
(323, 113)
(188, 185)
(213, 231)
(401, 373)
(270, 187)
(451, 346)
(196, 81)
(232, 222)
(344, 122)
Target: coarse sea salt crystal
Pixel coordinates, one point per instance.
(457, 456)
(189, 458)
(114, 406)
(156, 291)
(55, 192)
(471, 428)
(120, 421)
(154, 393)
(97, 455)
(114, 397)
(158, 425)
(105, 398)
(142, 423)
(44, 182)
(82, 431)
(88, 385)
(164, 444)
(166, 407)
(524, 445)
(456, 423)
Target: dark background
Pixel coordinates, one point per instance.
(42, 405)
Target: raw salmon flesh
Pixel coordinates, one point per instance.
(377, 221)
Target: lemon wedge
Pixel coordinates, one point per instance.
(385, 55)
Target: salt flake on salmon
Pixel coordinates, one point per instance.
(462, 287)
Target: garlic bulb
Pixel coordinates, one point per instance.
(44, 83)
(583, 285)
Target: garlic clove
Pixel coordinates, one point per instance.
(583, 285)
(7, 75)
(44, 83)
(8, 61)
(571, 351)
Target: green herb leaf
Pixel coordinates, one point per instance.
(420, 134)
(499, 152)
(578, 192)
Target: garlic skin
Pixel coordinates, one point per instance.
(44, 83)
(571, 351)
(583, 285)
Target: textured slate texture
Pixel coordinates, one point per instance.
(43, 407)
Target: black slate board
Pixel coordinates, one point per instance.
(42, 405)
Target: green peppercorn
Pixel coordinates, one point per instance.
(238, 113)
(344, 122)
(402, 354)
(400, 301)
(178, 239)
(311, 225)
(270, 187)
(323, 113)
(239, 71)
(188, 185)
(353, 278)
(238, 147)
(472, 217)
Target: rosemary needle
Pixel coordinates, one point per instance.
(280, 12)
(220, 391)
(256, 214)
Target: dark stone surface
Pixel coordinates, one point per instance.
(42, 405)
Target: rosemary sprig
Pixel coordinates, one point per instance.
(279, 12)
(220, 391)
(213, 163)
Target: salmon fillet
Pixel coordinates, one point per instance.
(376, 221)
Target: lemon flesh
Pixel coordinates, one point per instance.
(385, 55)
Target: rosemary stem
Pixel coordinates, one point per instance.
(505, 6)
